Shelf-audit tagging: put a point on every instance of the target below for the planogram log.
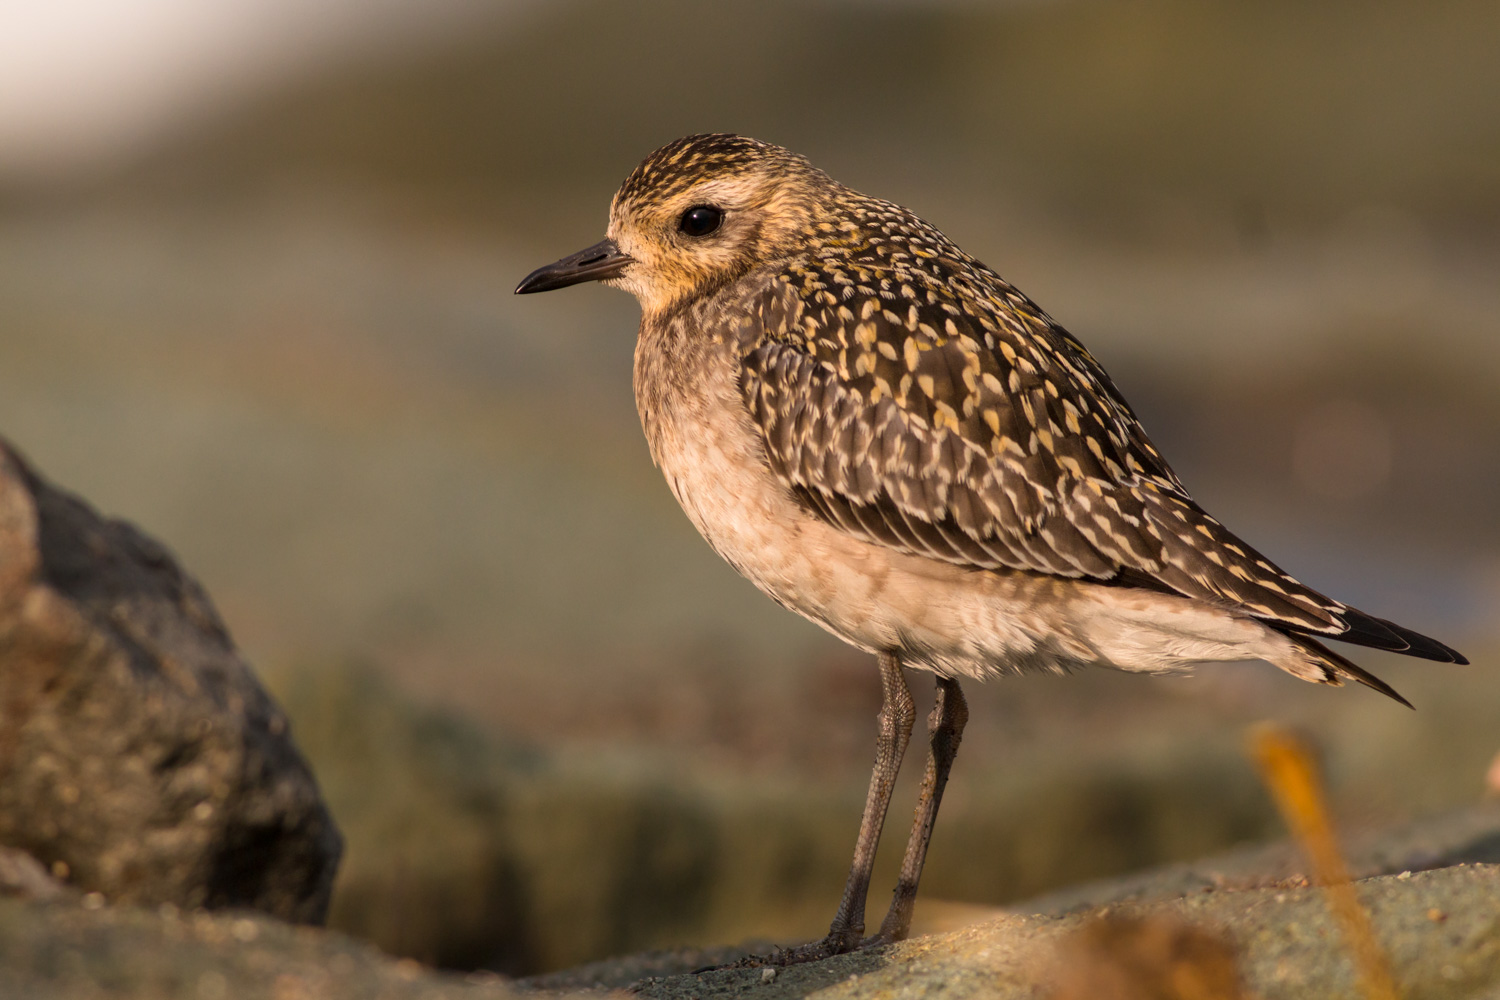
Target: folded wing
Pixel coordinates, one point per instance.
(947, 416)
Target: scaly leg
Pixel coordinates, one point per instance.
(946, 727)
(897, 713)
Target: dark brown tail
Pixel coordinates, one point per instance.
(1336, 667)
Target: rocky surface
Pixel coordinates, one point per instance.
(73, 951)
(468, 848)
(1243, 924)
(1441, 929)
(139, 756)
(1458, 837)
(468, 851)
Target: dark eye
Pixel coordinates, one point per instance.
(700, 220)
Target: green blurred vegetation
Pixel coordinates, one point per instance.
(466, 850)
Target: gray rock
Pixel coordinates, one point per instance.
(1437, 928)
(1461, 836)
(139, 756)
(62, 951)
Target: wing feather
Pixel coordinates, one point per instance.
(968, 427)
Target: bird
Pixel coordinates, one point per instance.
(887, 438)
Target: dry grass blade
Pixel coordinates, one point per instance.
(1288, 768)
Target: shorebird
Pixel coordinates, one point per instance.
(890, 440)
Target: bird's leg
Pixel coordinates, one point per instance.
(897, 713)
(945, 728)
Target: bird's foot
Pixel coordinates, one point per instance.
(812, 951)
(816, 951)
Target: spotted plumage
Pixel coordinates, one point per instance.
(888, 438)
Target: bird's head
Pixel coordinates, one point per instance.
(697, 214)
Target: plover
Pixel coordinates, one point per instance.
(890, 440)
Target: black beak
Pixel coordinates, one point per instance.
(600, 261)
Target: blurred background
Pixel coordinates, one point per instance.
(256, 261)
